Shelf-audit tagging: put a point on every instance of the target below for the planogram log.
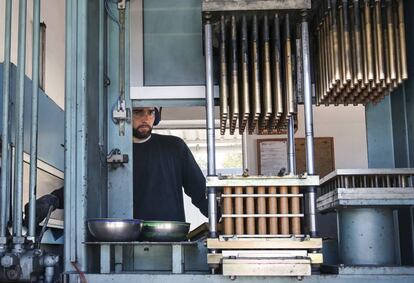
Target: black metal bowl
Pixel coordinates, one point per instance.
(115, 230)
(164, 231)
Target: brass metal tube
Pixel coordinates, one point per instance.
(250, 221)
(377, 81)
(288, 69)
(329, 53)
(387, 58)
(369, 43)
(234, 87)
(380, 40)
(343, 82)
(358, 41)
(245, 105)
(224, 92)
(272, 209)
(239, 210)
(277, 72)
(228, 209)
(347, 42)
(335, 42)
(261, 209)
(403, 45)
(391, 42)
(255, 92)
(397, 46)
(266, 77)
(365, 52)
(326, 48)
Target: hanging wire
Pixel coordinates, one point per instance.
(110, 13)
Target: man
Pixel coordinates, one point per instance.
(163, 165)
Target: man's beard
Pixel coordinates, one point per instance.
(141, 135)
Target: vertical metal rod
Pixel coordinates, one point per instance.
(21, 66)
(403, 45)
(121, 102)
(211, 154)
(5, 152)
(224, 92)
(70, 40)
(291, 146)
(310, 162)
(244, 151)
(33, 133)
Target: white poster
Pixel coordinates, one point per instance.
(273, 157)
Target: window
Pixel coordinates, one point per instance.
(173, 53)
(228, 149)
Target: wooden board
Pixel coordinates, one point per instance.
(272, 155)
(316, 258)
(312, 243)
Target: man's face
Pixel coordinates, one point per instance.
(142, 122)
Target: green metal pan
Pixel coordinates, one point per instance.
(164, 231)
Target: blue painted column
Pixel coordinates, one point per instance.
(390, 135)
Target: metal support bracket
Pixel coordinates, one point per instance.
(177, 259)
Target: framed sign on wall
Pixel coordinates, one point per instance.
(272, 155)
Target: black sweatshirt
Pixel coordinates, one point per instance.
(163, 165)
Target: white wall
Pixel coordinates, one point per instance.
(346, 124)
(53, 15)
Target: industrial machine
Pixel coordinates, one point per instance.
(267, 58)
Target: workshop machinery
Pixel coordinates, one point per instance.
(268, 58)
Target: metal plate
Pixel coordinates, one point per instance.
(248, 5)
(365, 197)
(256, 181)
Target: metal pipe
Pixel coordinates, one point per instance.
(223, 77)
(266, 76)
(255, 92)
(358, 41)
(18, 180)
(121, 103)
(369, 44)
(34, 133)
(244, 100)
(403, 45)
(277, 73)
(70, 40)
(391, 42)
(211, 154)
(5, 151)
(234, 77)
(244, 152)
(288, 70)
(210, 100)
(291, 146)
(310, 162)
